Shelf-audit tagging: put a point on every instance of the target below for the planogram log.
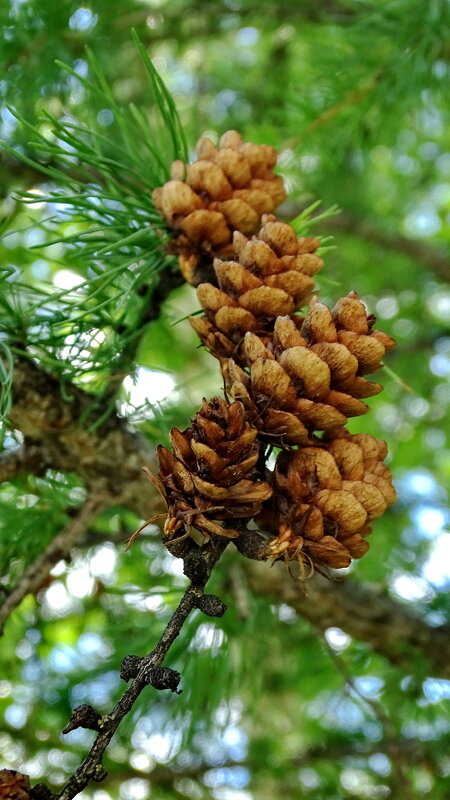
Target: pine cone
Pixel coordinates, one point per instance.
(305, 374)
(14, 785)
(211, 472)
(272, 276)
(229, 188)
(288, 392)
(276, 398)
(346, 341)
(324, 498)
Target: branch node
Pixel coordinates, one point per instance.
(211, 605)
(180, 548)
(84, 716)
(195, 568)
(252, 544)
(163, 678)
(129, 667)
(99, 773)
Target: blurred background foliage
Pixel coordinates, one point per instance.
(354, 93)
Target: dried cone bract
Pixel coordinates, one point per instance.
(227, 189)
(325, 498)
(347, 341)
(294, 375)
(210, 473)
(287, 388)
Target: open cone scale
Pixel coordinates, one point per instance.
(227, 189)
(210, 473)
(325, 497)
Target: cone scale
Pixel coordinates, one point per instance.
(210, 473)
(227, 189)
(325, 497)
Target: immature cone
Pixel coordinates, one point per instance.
(210, 474)
(229, 188)
(324, 498)
(271, 276)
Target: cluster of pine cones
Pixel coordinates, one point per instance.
(292, 379)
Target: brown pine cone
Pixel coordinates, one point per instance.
(272, 276)
(324, 498)
(345, 339)
(288, 392)
(14, 785)
(210, 474)
(229, 188)
(303, 375)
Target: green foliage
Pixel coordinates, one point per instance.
(102, 222)
(41, 504)
(6, 373)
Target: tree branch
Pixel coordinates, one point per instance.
(145, 670)
(362, 611)
(108, 457)
(27, 458)
(58, 548)
(426, 254)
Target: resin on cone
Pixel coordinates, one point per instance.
(325, 497)
(211, 472)
(228, 188)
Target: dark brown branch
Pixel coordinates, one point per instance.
(91, 768)
(58, 548)
(362, 611)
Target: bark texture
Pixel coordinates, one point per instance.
(60, 433)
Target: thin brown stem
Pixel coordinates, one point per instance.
(91, 767)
